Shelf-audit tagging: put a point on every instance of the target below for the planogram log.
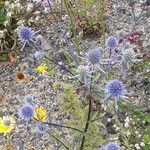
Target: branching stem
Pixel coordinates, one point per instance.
(57, 140)
(62, 126)
(87, 123)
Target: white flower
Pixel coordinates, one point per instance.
(126, 125)
(17, 1)
(1, 33)
(20, 22)
(137, 146)
(6, 23)
(7, 3)
(18, 5)
(29, 7)
(109, 119)
(140, 135)
(12, 6)
(117, 128)
(127, 120)
(38, 1)
(37, 18)
(128, 133)
(142, 144)
(9, 14)
(136, 132)
(46, 10)
(37, 12)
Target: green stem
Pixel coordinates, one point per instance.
(125, 140)
(76, 40)
(62, 126)
(87, 123)
(57, 140)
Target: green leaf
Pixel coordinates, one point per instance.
(2, 14)
(147, 118)
(146, 138)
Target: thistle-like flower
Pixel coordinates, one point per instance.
(115, 88)
(94, 57)
(25, 34)
(26, 111)
(39, 55)
(111, 42)
(112, 146)
(41, 128)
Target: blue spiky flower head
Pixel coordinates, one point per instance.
(39, 55)
(26, 111)
(115, 88)
(25, 34)
(41, 128)
(94, 56)
(111, 42)
(101, 147)
(112, 146)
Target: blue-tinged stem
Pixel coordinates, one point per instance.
(116, 104)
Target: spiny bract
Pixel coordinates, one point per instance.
(94, 56)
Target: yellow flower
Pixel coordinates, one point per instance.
(7, 124)
(42, 68)
(40, 113)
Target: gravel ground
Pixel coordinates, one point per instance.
(119, 20)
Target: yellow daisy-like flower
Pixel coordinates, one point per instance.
(42, 68)
(7, 124)
(40, 113)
